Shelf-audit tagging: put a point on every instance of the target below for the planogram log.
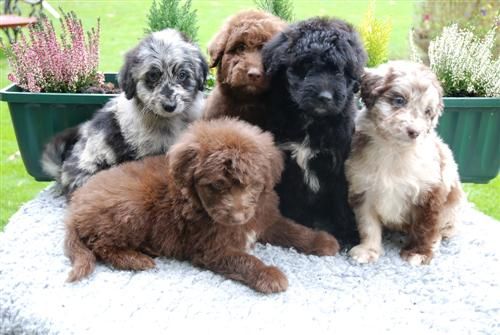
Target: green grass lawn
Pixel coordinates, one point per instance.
(123, 24)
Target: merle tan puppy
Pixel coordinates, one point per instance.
(241, 81)
(207, 201)
(401, 174)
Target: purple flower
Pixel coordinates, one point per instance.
(45, 63)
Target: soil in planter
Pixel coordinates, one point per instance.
(106, 88)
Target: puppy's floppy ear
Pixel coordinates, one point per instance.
(274, 55)
(355, 56)
(201, 71)
(439, 88)
(126, 78)
(370, 88)
(217, 45)
(183, 160)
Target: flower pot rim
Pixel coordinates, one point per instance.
(13, 93)
(468, 102)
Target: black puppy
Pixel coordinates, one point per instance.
(315, 67)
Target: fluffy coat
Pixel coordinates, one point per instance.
(315, 68)
(162, 82)
(242, 84)
(401, 174)
(207, 201)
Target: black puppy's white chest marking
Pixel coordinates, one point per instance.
(302, 153)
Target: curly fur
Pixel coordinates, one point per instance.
(401, 174)
(241, 82)
(162, 82)
(315, 68)
(207, 201)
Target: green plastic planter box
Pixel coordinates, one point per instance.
(37, 117)
(471, 127)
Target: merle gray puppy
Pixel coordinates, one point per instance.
(162, 82)
(315, 68)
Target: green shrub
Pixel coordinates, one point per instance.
(280, 8)
(375, 34)
(464, 62)
(172, 14)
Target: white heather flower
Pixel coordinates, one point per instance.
(464, 63)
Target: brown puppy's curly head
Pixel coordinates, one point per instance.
(235, 50)
(226, 164)
(403, 100)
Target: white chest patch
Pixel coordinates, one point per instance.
(394, 178)
(302, 154)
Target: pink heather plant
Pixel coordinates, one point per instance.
(46, 64)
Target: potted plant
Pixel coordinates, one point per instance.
(470, 76)
(56, 84)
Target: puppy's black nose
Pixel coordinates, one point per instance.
(169, 106)
(254, 74)
(412, 133)
(325, 96)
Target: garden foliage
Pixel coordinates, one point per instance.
(173, 14)
(375, 34)
(280, 8)
(431, 16)
(464, 62)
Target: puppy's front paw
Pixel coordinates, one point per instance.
(415, 258)
(271, 280)
(364, 254)
(324, 244)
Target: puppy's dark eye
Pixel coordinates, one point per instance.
(240, 48)
(217, 186)
(399, 101)
(334, 69)
(300, 70)
(182, 75)
(153, 75)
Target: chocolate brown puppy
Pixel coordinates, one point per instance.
(207, 201)
(242, 84)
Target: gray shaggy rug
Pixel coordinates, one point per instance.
(457, 294)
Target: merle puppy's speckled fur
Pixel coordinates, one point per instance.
(162, 81)
(315, 68)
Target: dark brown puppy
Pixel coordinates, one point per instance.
(241, 80)
(207, 201)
